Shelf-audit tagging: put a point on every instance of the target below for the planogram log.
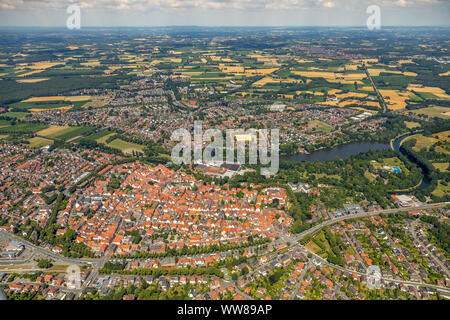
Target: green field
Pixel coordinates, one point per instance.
(441, 190)
(320, 126)
(100, 136)
(125, 146)
(38, 142)
(25, 106)
(70, 133)
(16, 115)
(436, 111)
(26, 127)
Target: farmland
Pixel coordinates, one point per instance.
(125, 146)
(435, 111)
(38, 142)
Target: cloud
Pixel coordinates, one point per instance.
(224, 12)
(211, 4)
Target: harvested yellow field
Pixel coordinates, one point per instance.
(32, 80)
(348, 102)
(376, 72)
(371, 103)
(203, 60)
(434, 90)
(78, 98)
(72, 47)
(394, 99)
(43, 65)
(441, 166)
(400, 62)
(42, 110)
(445, 74)
(30, 73)
(266, 80)
(352, 94)
(155, 62)
(367, 88)
(303, 61)
(215, 58)
(331, 103)
(175, 60)
(40, 99)
(443, 136)
(231, 69)
(51, 130)
(94, 63)
(333, 92)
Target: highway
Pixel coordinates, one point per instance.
(364, 215)
(380, 97)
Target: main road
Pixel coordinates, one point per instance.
(364, 215)
(37, 249)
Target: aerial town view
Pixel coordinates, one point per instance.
(338, 188)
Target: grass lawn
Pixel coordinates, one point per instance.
(423, 142)
(126, 147)
(38, 142)
(441, 166)
(412, 125)
(58, 268)
(16, 115)
(390, 162)
(435, 111)
(69, 133)
(104, 138)
(311, 246)
(368, 176)
(52, 131)
(441, 190)
(320, 126)
(26, 127)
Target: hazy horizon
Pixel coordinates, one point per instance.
(224, 13)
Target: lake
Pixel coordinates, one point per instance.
(342, 151)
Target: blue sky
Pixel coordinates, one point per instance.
(224, 12)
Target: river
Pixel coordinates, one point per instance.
(397, 142)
